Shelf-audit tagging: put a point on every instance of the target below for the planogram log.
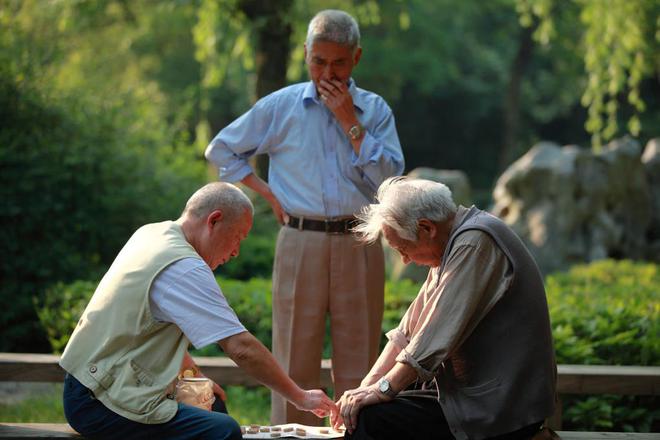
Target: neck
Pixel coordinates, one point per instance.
(189, 228)
(443, 232)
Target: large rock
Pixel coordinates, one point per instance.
(651, 162)
(459, 184)
(571, 205)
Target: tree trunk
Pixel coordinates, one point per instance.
(273, 31)
(511, 143)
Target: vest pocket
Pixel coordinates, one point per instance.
(142, 376)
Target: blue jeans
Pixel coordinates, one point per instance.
(93, 420)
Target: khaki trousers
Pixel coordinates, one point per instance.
(314, 275)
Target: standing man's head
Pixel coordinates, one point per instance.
(414, 215)
(332, 48)
(217, 217)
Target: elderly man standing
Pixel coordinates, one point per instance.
(158, 296)
(330, 145)
(472, 357)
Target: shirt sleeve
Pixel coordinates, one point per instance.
(239, 141)
(186, 294)
(476, 276)
(380, 152)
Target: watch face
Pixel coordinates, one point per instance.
(383, 385)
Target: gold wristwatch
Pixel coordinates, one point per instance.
(356, 132)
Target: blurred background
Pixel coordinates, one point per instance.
(106, 107)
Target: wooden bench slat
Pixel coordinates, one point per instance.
(572, 379)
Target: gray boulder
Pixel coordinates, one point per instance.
(572, 205)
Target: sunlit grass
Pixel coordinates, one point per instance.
(246, 405)
(41, 408)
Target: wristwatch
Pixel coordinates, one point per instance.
(355, 132)
(385, 387)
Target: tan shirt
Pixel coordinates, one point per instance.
(450, 305)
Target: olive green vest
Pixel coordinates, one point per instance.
(117, 350)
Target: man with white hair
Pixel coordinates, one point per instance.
(330, 145)
(159, 296)
(472, 357)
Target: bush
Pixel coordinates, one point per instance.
(74, 187)
(607, 313)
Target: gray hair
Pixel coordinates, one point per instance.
(218, 196)
(334, 26)
(403, 202)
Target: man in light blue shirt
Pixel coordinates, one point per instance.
(330, 145)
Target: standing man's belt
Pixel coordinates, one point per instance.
(341, 226)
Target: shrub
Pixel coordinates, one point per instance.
(74, 186)
(607, 313)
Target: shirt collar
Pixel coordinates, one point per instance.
(310, 95)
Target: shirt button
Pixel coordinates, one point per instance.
(92, 369)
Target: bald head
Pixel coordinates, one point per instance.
(218, 196)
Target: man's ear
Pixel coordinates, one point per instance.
(426, 226)
(357, 56)
(214, 217)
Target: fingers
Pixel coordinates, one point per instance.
(331, 89)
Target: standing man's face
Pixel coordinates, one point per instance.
(331, 61)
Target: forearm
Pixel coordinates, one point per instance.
(400, 376)
(385, 362)
(253, 357)
(258, 185)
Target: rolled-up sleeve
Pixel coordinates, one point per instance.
(380, 152)
(248, 135)
(476, 275)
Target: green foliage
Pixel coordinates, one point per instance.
(619, 46)
(249, 405)
(78, 175)
(61, 308)
(607, 313)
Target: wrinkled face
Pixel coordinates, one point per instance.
(330, 61)
(422, 252)
(226, 237)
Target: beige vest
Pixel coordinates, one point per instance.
(118, 350)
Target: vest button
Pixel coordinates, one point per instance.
(92, 369)
(170, 396)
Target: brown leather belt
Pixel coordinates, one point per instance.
(342, 226)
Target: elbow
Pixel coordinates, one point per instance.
(239, 347)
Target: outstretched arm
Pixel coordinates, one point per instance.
(253, 357)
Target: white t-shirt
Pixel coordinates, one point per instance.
(185, 293)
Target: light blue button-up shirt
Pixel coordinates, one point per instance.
(313, 170)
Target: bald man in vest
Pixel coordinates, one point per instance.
(159, 296)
